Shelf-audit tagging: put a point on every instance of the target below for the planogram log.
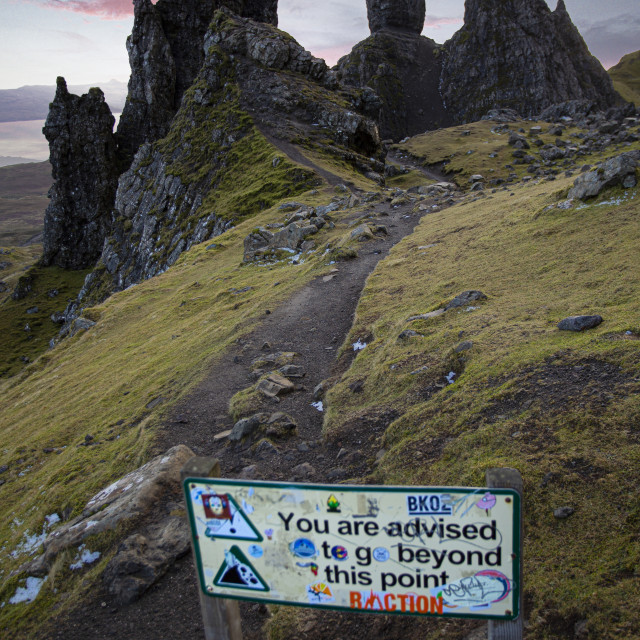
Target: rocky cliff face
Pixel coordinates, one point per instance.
(405, 15)
(400, 66)
(521, 55)
(215, 164)
(83, 160)
(166, 53)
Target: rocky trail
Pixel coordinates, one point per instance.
(312, 325)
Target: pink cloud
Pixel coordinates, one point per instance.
(435, 22)
(111, 9)
(331, 55)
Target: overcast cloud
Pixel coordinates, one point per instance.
(34, 50)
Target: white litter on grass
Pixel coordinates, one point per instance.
(359, 346)
(451, 377)
(30, 543)
(84, 556)
(318, 405)
(28, 593)
(469, 309)
(52, 519)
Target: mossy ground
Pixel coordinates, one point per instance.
(474, 148)
(560, 407)
(26, 324)
(151, 344)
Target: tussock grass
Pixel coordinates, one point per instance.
(561, 407)
(151, 344)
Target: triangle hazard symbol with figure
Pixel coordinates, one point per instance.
(225, 519)
(237, 572)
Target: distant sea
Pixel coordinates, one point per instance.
(26, 140)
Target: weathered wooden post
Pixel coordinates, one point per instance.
(221, 617)
(505, 478)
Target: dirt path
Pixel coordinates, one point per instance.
(313, 323)
(400, 158)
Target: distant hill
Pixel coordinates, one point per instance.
(32, 102)
(626, 77)
(6, 161)
(23, 200)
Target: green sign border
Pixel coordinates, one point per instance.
(516, 553)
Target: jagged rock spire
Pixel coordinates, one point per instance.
(401, 15)
(522, 55)
(83, 160)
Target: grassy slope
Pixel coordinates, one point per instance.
(23, 200)
(525, 395)
(626, 77)
(153, 340)
(26, 324)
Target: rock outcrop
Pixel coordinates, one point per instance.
(193, 184)
(144, 503)
(165, 53)
(83, 160)
(521, 55)
(400, 66)
(405, 15)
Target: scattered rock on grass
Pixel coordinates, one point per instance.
(563, 512)
(620, 170)
(465, 298)
(579, 323)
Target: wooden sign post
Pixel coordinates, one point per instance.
(221, 617)
(511, 629)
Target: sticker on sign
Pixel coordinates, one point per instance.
(450, 552)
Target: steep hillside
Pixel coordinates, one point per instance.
(626, 77)
(434, 399)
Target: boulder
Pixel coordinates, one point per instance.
(141, 559)
(262, 241)
(144, 502)
(403, 15)
(247, 426)
(620, 170)
(579, 323)
(464, 299)
(275, 385)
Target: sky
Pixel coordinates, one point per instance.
(84, 40)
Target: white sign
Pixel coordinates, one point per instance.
(400, 550)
